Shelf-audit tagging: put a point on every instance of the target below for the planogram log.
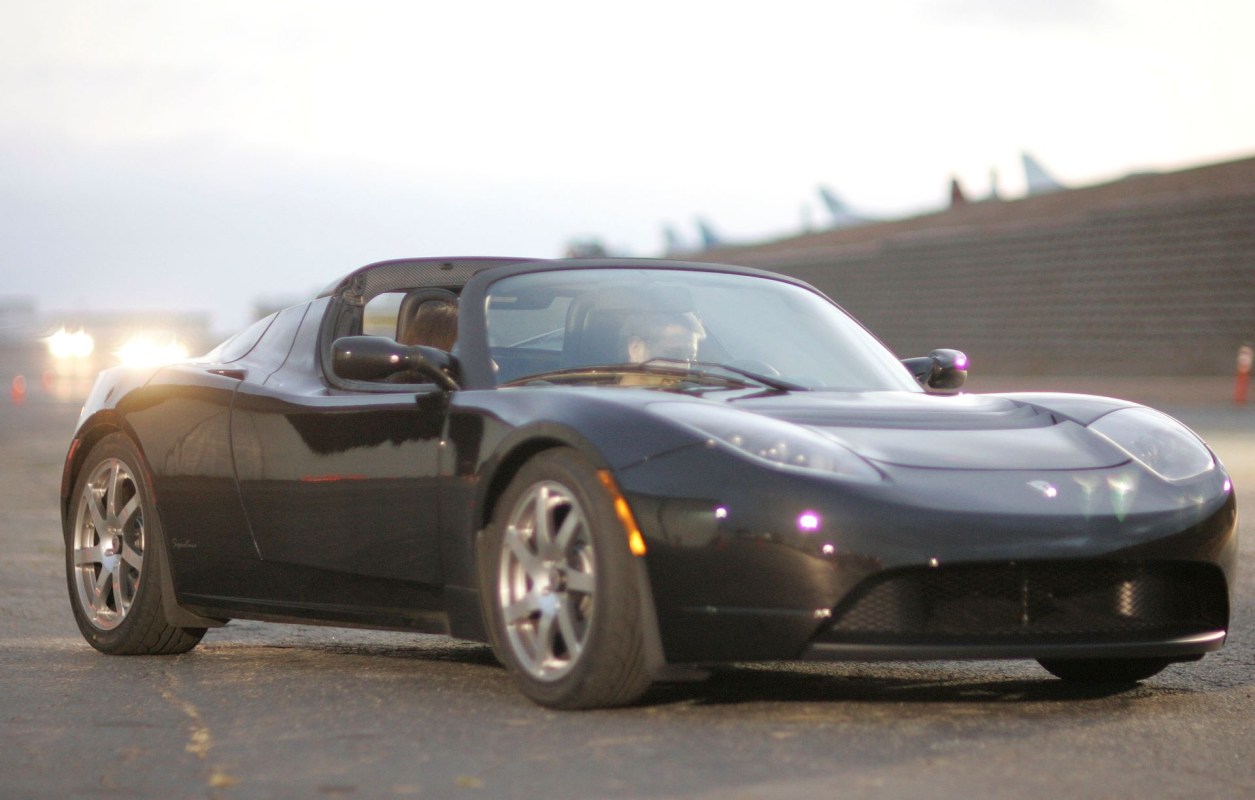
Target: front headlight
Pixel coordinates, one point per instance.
(1156, 441)
(778, 443)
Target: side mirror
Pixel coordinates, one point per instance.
(941, 371)
(377, 358)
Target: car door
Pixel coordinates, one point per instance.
(340, 487)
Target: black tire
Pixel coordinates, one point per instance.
(114, 559)
(560, 590)
(1104, 670)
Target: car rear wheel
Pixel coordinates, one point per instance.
(560, 588)
(113, 557)
(1104, 670)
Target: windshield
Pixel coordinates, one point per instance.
(548, 325)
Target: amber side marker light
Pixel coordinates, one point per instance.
(636, 542)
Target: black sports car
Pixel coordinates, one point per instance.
(623, 471)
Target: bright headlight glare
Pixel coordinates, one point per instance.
(143, 350)
(1156, 441)
(774, 441)
(66, 345)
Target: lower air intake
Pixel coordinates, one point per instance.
(1033, 601)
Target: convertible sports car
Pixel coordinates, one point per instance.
(625, 471)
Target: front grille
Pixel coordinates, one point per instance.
(1041, 601)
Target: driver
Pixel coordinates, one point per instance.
(661, 334)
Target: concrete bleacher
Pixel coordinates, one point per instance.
(1151, 275)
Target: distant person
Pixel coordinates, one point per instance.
(434, 325)
(671, 335)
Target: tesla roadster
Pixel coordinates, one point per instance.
(626, 471)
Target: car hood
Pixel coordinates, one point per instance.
(983, 432)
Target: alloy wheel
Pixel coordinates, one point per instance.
(546, 583)
(108, 544)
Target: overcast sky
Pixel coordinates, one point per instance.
(202, 155)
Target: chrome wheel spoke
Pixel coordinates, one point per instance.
(581, 582)
(542, 529)
(573, 641)
(124, 516)
(522, 609)
(570, 525)
(100, 591)
(111, 490)
(87, 555)
(132, 557)
(517, 546)
(545, 631)
(93, 501)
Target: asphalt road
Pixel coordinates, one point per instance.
(263, 710)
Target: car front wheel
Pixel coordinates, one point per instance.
(113, 557)
(560, 588)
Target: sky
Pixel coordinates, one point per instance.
(203, 156)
